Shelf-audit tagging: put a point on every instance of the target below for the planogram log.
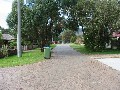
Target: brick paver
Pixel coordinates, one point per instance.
(66, 70)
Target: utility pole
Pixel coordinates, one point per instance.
(19, 47)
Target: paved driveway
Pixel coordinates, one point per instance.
(66, 70)
(112, 62)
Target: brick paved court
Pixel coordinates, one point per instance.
(66, 70)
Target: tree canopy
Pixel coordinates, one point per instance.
(45, 19)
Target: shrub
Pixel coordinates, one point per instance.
(12, 52)
(12, 44)
(67, 35)
(73, 39)
(1, 55)
(79, 40)
(4, 50)
(26, 42)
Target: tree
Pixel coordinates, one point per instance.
(35, 26)
(45, 19)
(1, 28)
(73, 39)
(66, 36)
(69, 9)
(4, 31)
(103, 17)
(46, 14)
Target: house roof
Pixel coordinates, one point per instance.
(7, 37)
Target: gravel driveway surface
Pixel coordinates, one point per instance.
(66, 70)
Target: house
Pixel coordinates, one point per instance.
(4, 50)
(115, 43)
(6, 38)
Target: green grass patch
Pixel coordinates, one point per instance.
(29, 57)
(53, 46)
(83, 50)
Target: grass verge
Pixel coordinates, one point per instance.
(53, 46)
(29, 57)
(83, 50)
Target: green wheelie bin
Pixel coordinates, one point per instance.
(47, 52)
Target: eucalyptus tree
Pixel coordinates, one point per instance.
(26, 21)
(45, 15)
(46, 18)
(69, 10)
(37, 21)
(12, 17)
(1, 28)
(66, 35)
(104, 15)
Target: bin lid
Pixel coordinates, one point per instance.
(46, 47)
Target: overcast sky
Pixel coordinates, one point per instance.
(5, 9)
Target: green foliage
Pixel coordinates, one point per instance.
(0, 36)
(4, 50)
(45, 20)
(1, 28)
(100, 20)
(1, 40)
(79, 40)
(72, 24)
(73, 39)
(66, 35)
(26, 42)
(69, 9)
(94, 40)
(68, 3)
(53, 46)
(4, 31)
(34, 21)
(12, 44)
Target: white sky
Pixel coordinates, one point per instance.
(5, 9)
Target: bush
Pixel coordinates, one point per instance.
(79, 40)
(95, 39)
(12, 52)
(73, 39)
(26, 42)
(12, 44)
(1, 55)
(67, 35)
(4, 50)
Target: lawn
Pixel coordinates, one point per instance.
(28, 57)
(82, 49)
(53, 46)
